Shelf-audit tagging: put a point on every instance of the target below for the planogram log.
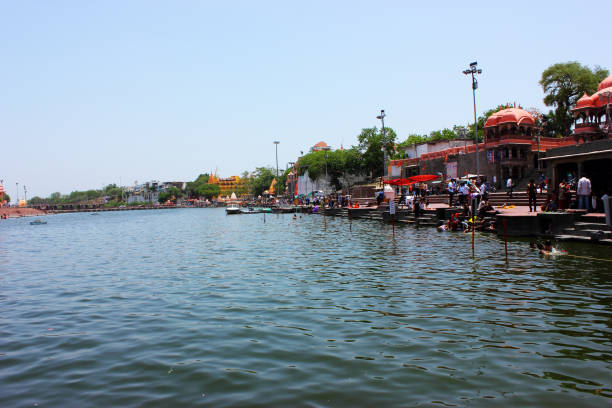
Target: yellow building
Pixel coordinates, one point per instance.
(227, 186)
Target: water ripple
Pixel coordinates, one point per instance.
(192, 307)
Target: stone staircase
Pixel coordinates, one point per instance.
(519, 198)
(428, 218)
(589, 227)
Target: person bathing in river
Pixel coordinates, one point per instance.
(547, 248)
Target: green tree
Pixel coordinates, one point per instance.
(172, 193)
(337, 163)
(244, 184)
(209, 191)
(193, 186)
(262, 178)
(36, 200)
(372, 141)
(55, 198)
(412, 140)
(7, 198)
(314, 163)
(563, 84)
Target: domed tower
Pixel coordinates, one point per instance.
(509, 142)
(592, 115)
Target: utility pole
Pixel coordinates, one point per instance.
(473, 70)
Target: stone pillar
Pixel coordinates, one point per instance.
(580, 166)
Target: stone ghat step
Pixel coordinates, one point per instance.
(588, 233)
(594, 218)
(578, 238)
(421, 222)
(592, 225)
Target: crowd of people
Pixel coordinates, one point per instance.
(572, 193)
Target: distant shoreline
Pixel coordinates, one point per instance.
(17, 212)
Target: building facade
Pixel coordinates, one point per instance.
(592, 119)
(512, 147)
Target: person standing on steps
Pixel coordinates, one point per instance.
(583, 192)
(509, 187)
(532, 190)
(451, 192)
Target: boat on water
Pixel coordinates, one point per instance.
(251, 210)
(38, 222)
(233, 209)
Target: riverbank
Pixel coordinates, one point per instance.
(511, 221)
(17, 212)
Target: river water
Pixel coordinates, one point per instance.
(191, 307)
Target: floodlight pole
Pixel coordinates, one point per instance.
(292, 164)
(473, 70)
(276, 142)
(382, 120)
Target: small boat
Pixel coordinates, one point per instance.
(232, 209)
(38, 222)
(250, 210)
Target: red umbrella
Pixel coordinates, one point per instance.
(393, 182)
(421, 178)
(401, 182)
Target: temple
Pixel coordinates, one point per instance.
(512, 147)
(592, 114)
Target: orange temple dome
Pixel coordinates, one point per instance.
(606, 83)
(510, 115)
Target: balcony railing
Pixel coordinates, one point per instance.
(587, 125)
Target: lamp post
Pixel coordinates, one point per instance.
(25, 194)
(382, 120)
(17, 188)
(276, 142)
(473, 70)
(291, 164)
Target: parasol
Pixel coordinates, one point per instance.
(421, 178)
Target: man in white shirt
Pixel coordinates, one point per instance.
(451, 192)
(509, 187)
(583, 192)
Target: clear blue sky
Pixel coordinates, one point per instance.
(101, 92)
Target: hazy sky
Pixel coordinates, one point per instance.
(99, 92)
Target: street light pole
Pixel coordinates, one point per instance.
(25, 194)
(276, 142)
(382, 120)
(473, 70)
(17, 188)
(292, 164)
